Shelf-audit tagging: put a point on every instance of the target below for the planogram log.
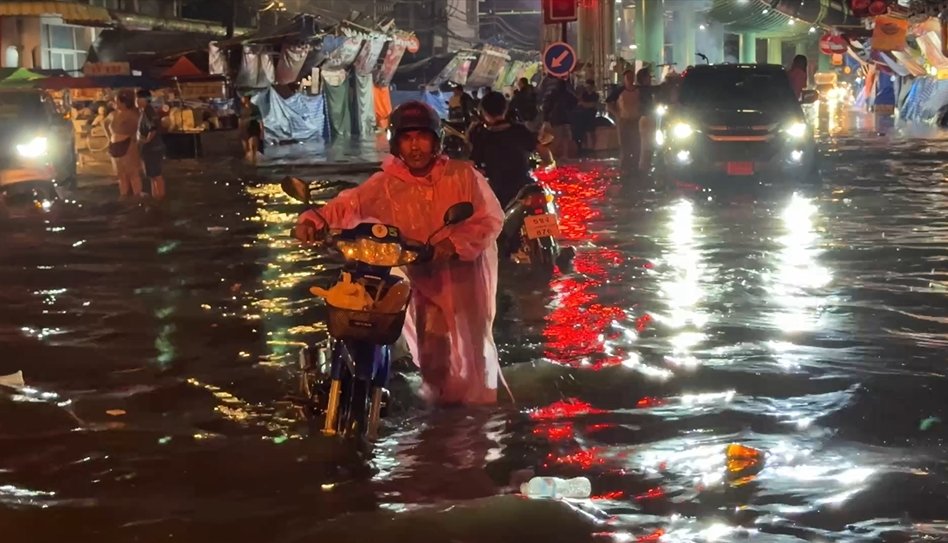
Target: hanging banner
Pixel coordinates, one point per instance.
(889, 34)
(292, 58)
(489, 63)
(345, 52)
(216, 59)
(393, 57)
(368, 56)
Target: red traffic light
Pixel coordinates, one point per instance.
(559, 11)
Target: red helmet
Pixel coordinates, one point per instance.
(413, 115)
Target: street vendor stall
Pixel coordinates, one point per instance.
(195, 107)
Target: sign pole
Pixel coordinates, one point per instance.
(563, 32)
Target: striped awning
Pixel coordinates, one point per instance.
(71, 12)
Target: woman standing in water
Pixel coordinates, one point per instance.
(798, 75)
(123, 144)
(251, 128)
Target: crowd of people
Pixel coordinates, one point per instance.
(133, 128)
(565, 116)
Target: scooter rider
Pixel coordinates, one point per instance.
(501, 148)
(449, 323)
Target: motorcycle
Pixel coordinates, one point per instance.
(531, 228)
(455, 143)
(346, 380)
(26, 191)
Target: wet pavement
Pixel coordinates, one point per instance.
(158, 342)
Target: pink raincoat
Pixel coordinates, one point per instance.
(453, 304)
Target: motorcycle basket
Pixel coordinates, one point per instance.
(368, 326)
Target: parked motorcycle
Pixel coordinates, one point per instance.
(531, 230)
(455, 143)
(346, 380)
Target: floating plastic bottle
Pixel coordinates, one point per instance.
(577, 488)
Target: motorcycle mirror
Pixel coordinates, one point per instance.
(458, 213)
(295, 188)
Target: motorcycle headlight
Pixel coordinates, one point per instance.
(376, 253)
(34, 148)
(661, 110)
(795, 130)
(682, 131)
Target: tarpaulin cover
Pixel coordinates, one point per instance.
(368, 56)
(925, 100)
(337, 103)
(383, 105)
(885, 91)
(435, 99)
(216, 59)
(299, 117)
(343, 51)
(292, 58)
(393, 57)
(256, 69)
(456, 71)
(489, 63)
(364, 102)
(267, 71)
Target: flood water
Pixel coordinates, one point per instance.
(158, 345)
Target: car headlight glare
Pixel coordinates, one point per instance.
(682, 131)
(796, 130)
(34, 148)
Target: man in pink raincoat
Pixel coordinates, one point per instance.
(449, 324)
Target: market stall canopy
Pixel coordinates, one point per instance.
(71, 12)
(100, 82)
(20, 77)
(183, 68)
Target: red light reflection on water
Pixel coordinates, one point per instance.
(555, 432)
(576, 192)
(651, 494)
(614, 495)
(564, 409)
(654, 536)
(577, 326)
(584, 459)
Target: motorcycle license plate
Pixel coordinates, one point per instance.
(740, 168)
(541, 226)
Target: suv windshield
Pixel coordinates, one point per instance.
(738, 89)
(21, 106)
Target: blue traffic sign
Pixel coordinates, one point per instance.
(559, 59)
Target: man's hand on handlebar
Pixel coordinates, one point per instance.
(307, 232)
(444, 251)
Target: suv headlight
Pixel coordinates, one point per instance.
(682, 131)
(795, 130)
(34, 148)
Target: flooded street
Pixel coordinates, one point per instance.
(158, 346)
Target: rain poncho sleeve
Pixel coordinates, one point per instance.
(450, 318)
(473, 236)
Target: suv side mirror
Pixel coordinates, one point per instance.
(809, 96)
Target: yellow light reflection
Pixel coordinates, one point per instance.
(681, 278)
(798, 273)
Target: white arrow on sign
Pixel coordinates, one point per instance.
(558, 61)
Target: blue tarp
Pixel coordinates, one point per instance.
(299, 117)
(436, 100)
(926, 98)
(885, 90)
